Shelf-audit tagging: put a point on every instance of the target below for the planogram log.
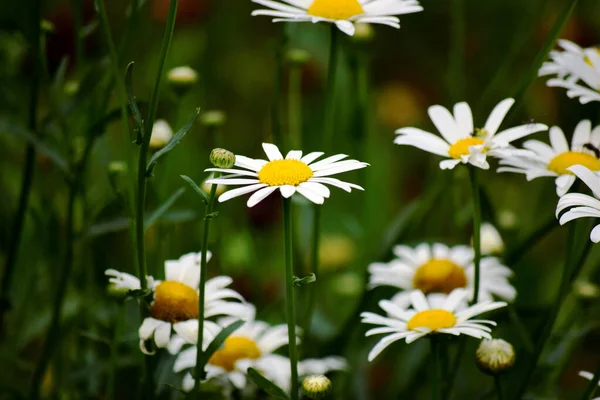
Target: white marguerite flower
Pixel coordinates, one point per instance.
(582, 205)
(343, 13)
(589, 376)
(176, 298)
(434, 315)
(291, 174)
(577, 69)
(161, 134)
(437, 268)
(554, 160)
(462, 142)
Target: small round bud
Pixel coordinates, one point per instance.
(316, 386)
(491, 242)
(206, 187)
(494, 356)
(297, 56)
(222, 158)
(117, 167)
(182, 78)
(213, 118)
(507, 219)
(363, 32)
(161, 134)
(586, 290)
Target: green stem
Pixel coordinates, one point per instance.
(208, 210)
(289, 296)
(498, 387)
(593, 385)
(114, 352)
(275, 106)
(316, 237)
(457, 49)
(295, 106)
(521, 328)
(330, 95)
(28, 170)
(455, 367)
(476, 231)
(436, 375)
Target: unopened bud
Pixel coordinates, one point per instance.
(494, 356)
(297, 56)
(222, 158)
(213, 118)
(182, 78)
(206, 187)
(363, 32)
(316, 386)
(117, 167)
(161, 134)
(586, 290)
(491, 241)
(507, 219)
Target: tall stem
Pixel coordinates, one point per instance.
(436, 375)
(330, 94)
(202, 289)
(28, 170)
(498, 386)
(275, 106)
(316, 237)
(289, 296)
(295, 107)
(476, 231)
(593, 385)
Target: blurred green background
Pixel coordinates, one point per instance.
(407, 198)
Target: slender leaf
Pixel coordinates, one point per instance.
(269, 387)
(196, 188)
(218, 342)
(160, 211)
(135, 111)
(173, 142)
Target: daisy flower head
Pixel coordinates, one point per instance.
(293, 174)
(437, 268)
(429, 316)
(555, 159)
(461, 141)
(343, 13)
(176, 298)
(589, 376)
(582, 205)
(577, 69)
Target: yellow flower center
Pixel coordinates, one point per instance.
(174, 302)
(432, 319)
(284, 172)
(235, 348)
(335, 9)
(561, 162)
(461, 148)
(439, 276)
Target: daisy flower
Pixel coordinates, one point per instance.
(462, 142)
(437, 268)
(582, 204)
(176, 298)
(435, 315)
(589, 376)
(291, 174)
(555, 159)
(343, 13)
(577, 70)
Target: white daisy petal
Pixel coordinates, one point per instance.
(272, 151)
(497, 116)
(260, 195)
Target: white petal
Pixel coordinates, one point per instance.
(230, 194)
(497, 116)
(310, 195)
(287, 191)
(445, 123)
(345, 26)
(162, 334)
(464, 118)
(272, 152)
(558, 140)
(294, 155)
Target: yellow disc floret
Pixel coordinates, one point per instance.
(432, 319)
(439, 276)
(561, 162)
(174, 302)
(335, 9)
(235, 348)
(461, 148)
(284, 172)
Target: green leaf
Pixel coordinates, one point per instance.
(218, 342)
(304, 281)
(37, 142)
(135, 111)
(196, 188)
(160, 211)
(269, 387)
(173, 142)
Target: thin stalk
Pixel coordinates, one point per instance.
(289, 296)
(436, 375)
(28, 170)
(295, 107)
(498, 386)
(476, 231)
(521, 328)
(208, 210)
(462, 347)
(457, 50)
(593, 385)
(330, 94)
(114, 353)
(275, 106)
(314, 263)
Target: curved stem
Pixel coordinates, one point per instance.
(208, 210)
(476, 231)
(498, 387)
(316, 237)
(330, 94)
(289, 296)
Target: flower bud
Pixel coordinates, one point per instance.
(222, 158)
(494, 356)
(586, 290)
(207, 186)
(213, 118)
(316, 386)
(363, 32)
(182, 76)
(161, 134)
(507, 219)
(297, 56)
(491, 242)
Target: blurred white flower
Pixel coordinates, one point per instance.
(182, 76)
(464, 143)
(491, 241)
(161, 134)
